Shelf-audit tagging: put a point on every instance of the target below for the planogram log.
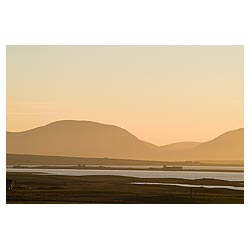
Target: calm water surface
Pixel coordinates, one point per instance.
(186, 185)
(229, 176)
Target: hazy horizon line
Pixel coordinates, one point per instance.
(107, 124)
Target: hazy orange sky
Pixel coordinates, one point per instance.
(161, 94)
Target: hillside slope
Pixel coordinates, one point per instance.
(228, 146)
(91, 139)
(80, 138)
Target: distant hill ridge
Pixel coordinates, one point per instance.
(92, 139)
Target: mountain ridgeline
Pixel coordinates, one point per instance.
(96, 140)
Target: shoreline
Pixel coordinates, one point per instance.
(121, 168)
(25, 159)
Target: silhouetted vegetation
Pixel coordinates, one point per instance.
(9, 184)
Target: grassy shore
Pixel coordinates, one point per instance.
(47, 189)
(22, 159)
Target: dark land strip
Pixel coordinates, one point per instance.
(104, 189)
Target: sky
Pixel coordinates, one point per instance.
(161, 94)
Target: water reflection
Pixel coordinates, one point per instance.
(229, 176)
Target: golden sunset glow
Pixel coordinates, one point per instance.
(162, 94)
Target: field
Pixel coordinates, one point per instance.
(48, 189)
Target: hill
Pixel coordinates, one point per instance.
(96, 140)
(228, 146)
(81, 139)
(179, 146)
